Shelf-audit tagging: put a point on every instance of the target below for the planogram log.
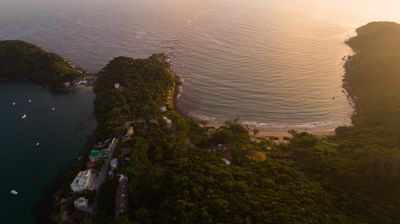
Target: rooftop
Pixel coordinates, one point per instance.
(98, 153)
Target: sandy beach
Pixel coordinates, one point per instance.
(282, 134)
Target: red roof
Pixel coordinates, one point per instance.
(91, 165)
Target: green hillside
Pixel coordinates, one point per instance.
(24, 61)
(178, 170)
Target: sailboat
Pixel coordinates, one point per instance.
(23, 116)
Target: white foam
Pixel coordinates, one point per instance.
(202, 118)
(318, 125)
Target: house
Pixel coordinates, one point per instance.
(91, 165)
(83, 82)
(130, 132)
(114, 164)
(227, 162)
(67, 84)
(96, 155)
(103, 145)
(81, 204)
(163, 109)
(83, 181)
(117, 85)
(121, 197)
(167, 120)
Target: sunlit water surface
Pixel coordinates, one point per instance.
(277, 64)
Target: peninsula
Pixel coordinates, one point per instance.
(20, 60)
(149, 164)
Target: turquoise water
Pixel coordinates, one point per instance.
(25, 167)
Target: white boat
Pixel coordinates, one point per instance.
(30, 101)
(37, 143)
(23, 116)
(14, 192)
(53, 108)
(13, 103)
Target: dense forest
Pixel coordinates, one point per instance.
(177, 174)
(182, 172)
(176, 171)
(24, 61)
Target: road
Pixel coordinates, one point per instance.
(104, 170)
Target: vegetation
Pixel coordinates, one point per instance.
(360, 165)
(180, 172)
(177, 174)
(144, 84)
(23, 61)
(176, 171)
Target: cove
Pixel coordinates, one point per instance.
(26, 166)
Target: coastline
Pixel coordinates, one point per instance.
(281, 134)
(265, 133)
(171, 101)
(261, 134)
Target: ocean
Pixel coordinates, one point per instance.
(274, 64)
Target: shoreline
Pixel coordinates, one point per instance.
(178, 83)
(282, 134)
(264, 133)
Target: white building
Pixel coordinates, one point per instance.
(83, 181)
(81, 204)
(227, 162)
(167, 120)
(67, 84)
(117, 85)
(114, 164)
(163, 109)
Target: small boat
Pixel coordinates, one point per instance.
(53, 108)
(13, 103)
(14, 192)
(30, 101)
(37, 143)
(23, 116)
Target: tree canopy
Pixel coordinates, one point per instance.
(24, 61)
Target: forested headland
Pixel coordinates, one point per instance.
(20, 60)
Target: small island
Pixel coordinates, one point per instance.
(146, 163)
